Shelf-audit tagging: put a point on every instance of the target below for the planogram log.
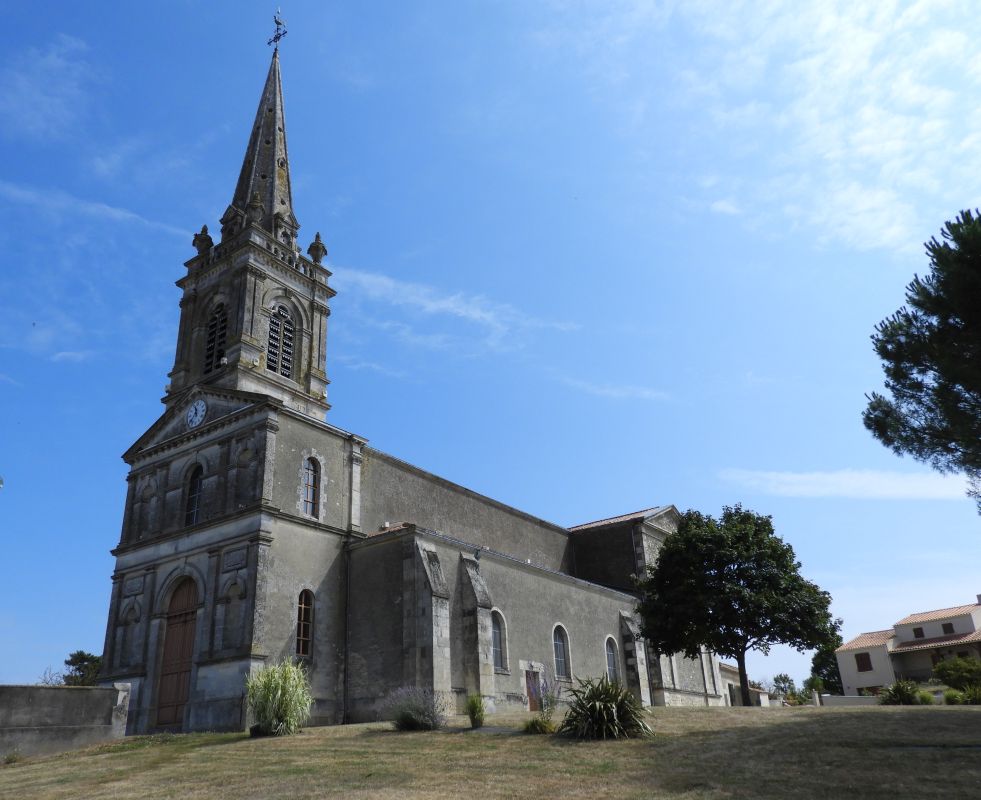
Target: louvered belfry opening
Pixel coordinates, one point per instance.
(214, 350)
(178, 650)
(279, 350)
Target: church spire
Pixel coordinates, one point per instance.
(263, 193)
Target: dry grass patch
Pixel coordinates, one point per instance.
(697, 753)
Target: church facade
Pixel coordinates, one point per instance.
(255, 531)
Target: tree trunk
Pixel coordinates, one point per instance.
(743, 679)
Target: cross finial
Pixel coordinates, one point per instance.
(280, 28)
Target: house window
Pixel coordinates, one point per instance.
(917, 633)
(612, 662)
(498, 641)
(192, 507)
(214, 350)
(304, 624)
(863, 661)
(279, 348)
(560, 644)
(311, 487)
(948, 628)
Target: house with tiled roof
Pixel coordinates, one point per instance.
(910, 648)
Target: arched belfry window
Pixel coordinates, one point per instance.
(192, 506)
(612, 661)
(311, 487)
(214, 350)
(279, 349)
(560, 644)
(304, 624)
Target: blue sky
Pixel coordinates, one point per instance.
(590, 257)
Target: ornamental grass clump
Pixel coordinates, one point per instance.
(415, 709)
(604, 710)
(279, 699)
(901, 693)
(971, 696)
(476, 710)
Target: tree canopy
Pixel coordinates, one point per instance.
(730, 586)
(931, 355)
(82, 669)
(824, 666)
(958, 673)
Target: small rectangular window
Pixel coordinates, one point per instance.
(863, 661)
(917, 633)
(948, 627)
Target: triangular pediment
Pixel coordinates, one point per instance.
(198, 409)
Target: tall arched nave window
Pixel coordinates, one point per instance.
(279, 348)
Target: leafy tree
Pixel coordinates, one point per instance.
(958, 673)
(83, 669)
(731, 586)
(931, 354)
(784, 684)
(824, 665)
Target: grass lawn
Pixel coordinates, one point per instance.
(798, 753)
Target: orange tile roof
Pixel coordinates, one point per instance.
(866, 640)
(636, 515)
(940, 613)
(937, 641)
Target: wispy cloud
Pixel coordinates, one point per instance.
(351, 362)
(496, 321)
(615, 391)
(56, 201)
(43, 91)
(724, 207)
(850, 483)
(855, 118)
(9, 380)
(73, 356)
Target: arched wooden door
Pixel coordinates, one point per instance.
(175, 667)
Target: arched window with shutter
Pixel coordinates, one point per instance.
(280, 346)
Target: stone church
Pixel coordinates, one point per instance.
(256, 531)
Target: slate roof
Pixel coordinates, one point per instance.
(635, 516)
(940, 613)
(866, 640)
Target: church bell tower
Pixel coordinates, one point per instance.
(254, 309)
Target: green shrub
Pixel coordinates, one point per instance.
(958, 673)
(604, 710)
(952, 697)
(12, 757)
(901, 693)
(415, 709)
(538, 724)
(972, 695)
(279, 699)
(924, 697)
(475, 710)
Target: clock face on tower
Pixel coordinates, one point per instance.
(195, 413)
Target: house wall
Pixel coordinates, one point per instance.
(852, 680)
(963, 623)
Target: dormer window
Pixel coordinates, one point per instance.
(917, 633)
(279, 349)
(214, 350)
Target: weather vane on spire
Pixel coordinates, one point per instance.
(280, 28)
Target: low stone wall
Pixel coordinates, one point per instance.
(847, 700)
(35, 720)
